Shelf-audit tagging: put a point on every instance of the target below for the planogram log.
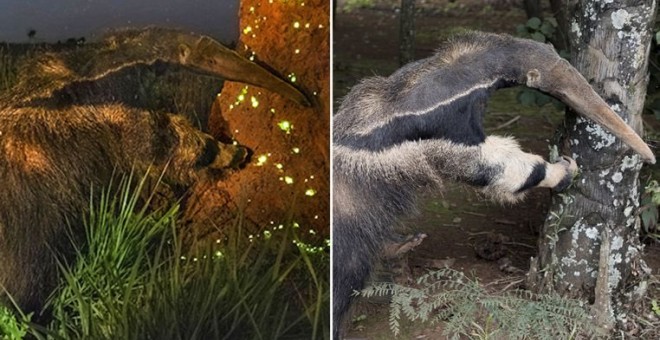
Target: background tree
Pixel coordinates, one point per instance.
(589, 247)
(407, 32)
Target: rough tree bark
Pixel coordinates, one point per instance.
(407, 32)
(611, 41)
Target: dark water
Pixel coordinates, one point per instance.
(51, 21)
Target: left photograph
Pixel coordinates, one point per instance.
(164, 169)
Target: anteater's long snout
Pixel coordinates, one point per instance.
(214, 58)
(570, 86)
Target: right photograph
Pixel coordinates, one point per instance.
(493, 169)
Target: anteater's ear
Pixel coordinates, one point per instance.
(184, 53)
(533, 78)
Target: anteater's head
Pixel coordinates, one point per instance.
(199, 53)
(169, 145)
(545, 70)
(196, 155)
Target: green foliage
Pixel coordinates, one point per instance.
(655, 307)
(12, 328)
(532, 97)
(648, 211)
(7, 69)
(537, 29)
(652, 105)
(133, 279)
(469, 310)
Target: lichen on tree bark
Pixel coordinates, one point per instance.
(610, 43)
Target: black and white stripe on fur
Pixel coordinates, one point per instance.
(394, 136)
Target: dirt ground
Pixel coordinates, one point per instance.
(457, 221)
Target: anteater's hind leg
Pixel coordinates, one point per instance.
(351, 264)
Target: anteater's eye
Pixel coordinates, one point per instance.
(209, 153)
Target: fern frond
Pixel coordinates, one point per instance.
(467, 309)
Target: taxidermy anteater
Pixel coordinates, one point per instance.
(61, 140)
(423, 124)
(76, 76)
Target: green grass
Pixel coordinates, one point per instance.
(133, 279)
(7, 69)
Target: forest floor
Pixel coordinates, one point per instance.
(457, 220)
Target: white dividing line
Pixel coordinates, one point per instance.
(377, 124)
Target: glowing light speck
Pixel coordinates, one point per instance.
(261, 160)
(288, 180)
(296, 150)
(285, 126)
(254, 101)
(296, 25)
(310, 192)
(292, 77)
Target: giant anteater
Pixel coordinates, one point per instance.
(62, 138)
(423, 124)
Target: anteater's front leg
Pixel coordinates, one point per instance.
(517, 171)
(500, 168)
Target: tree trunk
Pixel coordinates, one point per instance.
(407, 32)
(532, 8)
(611, 41)
(560, 13)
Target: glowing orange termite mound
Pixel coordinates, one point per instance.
(288, 178)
